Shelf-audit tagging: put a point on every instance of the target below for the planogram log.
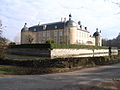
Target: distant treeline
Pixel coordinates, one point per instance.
(112, 42)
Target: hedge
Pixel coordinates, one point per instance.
(42, 46)
(52, 46)
(63, 62)
(77, 46)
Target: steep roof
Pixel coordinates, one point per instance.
(49, 26)
(96, 34)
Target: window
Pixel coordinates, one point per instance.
(60, 33)
(55, 33)
(55, 27)
(48, 33)
(44, 34)
(44, 27)
(34, 29)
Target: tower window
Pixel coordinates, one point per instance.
(44, 27)
(55, 27)
(34, 29)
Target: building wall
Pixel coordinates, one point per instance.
(85, 38)
(60, 53)
(68, 35)
(56, 35)
(98, 41)
(28, 37)
(73, 35)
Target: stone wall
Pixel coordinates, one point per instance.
(60, 53)
(56, 53)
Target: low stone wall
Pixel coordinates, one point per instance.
(60, 53)
(57, 53)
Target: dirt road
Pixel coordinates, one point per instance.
(97, 78)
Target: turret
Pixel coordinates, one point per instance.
(97, 38)
(72, 26)
(25, 28)
(23, 33)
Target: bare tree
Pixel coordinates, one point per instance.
(2, 42)
(29, 39)
(0, 27)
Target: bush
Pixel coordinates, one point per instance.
(12, 43)
(50, 41)
(75, 46)
(50, 44)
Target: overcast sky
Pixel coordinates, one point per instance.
(102, 14)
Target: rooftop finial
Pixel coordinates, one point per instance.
(70, 16)
(96, 29)
(25, 25)
(38, 23)
(25, 28)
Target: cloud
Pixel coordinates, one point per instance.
(103, 14)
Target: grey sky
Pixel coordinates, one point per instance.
(102, 14)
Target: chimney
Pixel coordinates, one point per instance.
(80, 26)
(79, 22)
(65, 19)
(85, 28)
(62, 19)
(38, 23)
(96, 29)
(70, 16)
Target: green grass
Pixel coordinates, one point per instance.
(24, 58)
(14, 70)
(7, 69)
(75, 46)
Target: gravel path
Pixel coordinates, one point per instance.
(97, 78)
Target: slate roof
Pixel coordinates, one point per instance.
(96, 34)
(71, 23)
(50, 26)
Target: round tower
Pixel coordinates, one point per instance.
(23, 33)
(98, 41)
(72, 27)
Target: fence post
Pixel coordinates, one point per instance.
(93, 52)
(110, 51)
(118, 51)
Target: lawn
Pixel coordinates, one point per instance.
(15, 70)
(8, 70)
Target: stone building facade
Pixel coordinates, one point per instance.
(65, 31)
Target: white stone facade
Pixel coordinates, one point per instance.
(67, 32)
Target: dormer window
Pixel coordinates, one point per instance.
(44, 27)
(34, 29)
(55, 27)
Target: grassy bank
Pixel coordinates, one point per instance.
(45, 66)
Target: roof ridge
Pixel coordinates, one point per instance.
(48, 23)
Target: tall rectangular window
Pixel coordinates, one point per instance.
(55, 33)
(60, 34)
